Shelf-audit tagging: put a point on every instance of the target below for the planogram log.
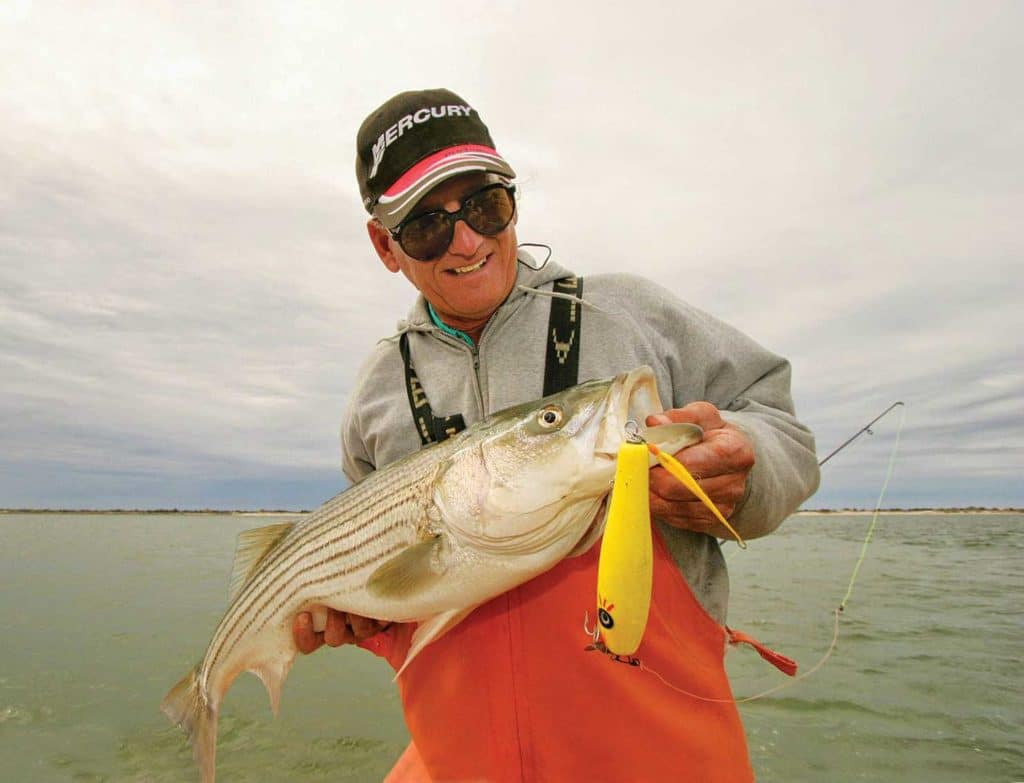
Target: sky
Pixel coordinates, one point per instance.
(187, 290)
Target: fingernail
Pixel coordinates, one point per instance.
(658, 418)
(319, 617)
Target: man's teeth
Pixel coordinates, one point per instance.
(464, 269)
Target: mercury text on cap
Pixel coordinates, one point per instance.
(392, 134)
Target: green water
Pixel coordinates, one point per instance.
(100, 614)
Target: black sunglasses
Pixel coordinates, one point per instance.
(487, 211)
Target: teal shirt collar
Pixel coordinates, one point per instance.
(447, 329)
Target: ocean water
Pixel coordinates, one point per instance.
(100, 614)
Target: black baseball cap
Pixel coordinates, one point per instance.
(414, 141)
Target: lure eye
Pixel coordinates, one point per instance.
(550, 417)
(605, 619)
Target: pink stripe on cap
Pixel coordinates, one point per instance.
(429, 163)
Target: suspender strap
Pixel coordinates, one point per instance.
(562, 364)
(431, 429)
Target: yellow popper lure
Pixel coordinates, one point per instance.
(625, 569)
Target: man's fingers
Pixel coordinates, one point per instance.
(339, 628)
(721, 489)
(691, 509)
(363, 627)
(306, 639)
(337, 631)
(725, 492)
(723, 451)
(689, 516)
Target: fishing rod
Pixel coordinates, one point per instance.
(866, 428)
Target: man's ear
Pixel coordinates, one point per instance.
(382, 242)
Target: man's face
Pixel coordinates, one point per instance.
(469, 282)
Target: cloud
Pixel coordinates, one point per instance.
(186, 289)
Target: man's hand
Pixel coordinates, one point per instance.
(720, 463)
(340, 628)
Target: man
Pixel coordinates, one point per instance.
(509, 694)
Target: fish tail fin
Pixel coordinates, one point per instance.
(187, 706)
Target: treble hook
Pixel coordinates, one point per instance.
(596, 645)
(596, 633)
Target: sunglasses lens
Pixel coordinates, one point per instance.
(487, 212)
(490, 210)
(428, 236)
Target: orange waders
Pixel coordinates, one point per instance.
(510, 694)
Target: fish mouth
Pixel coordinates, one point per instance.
(633, 397)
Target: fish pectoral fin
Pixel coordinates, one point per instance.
(431, 629)
(253, 546)
(410, 571)
(671, 438)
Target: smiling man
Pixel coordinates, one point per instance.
(467, 273)
(509, 694)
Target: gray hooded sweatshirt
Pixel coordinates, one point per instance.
(629, 321)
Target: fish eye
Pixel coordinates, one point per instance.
(550, 417)
(605, 619)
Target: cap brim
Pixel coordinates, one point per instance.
(398, 200)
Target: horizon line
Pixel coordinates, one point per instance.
(1006, 509)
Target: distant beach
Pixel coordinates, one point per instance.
(154, 511)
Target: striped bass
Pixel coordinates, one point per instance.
(426, 539)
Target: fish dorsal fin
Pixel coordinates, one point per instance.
(253, 546)
(410, 571)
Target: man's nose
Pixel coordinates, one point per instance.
(465, 240)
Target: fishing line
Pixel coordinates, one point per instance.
(878, 505)
(769, 691)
